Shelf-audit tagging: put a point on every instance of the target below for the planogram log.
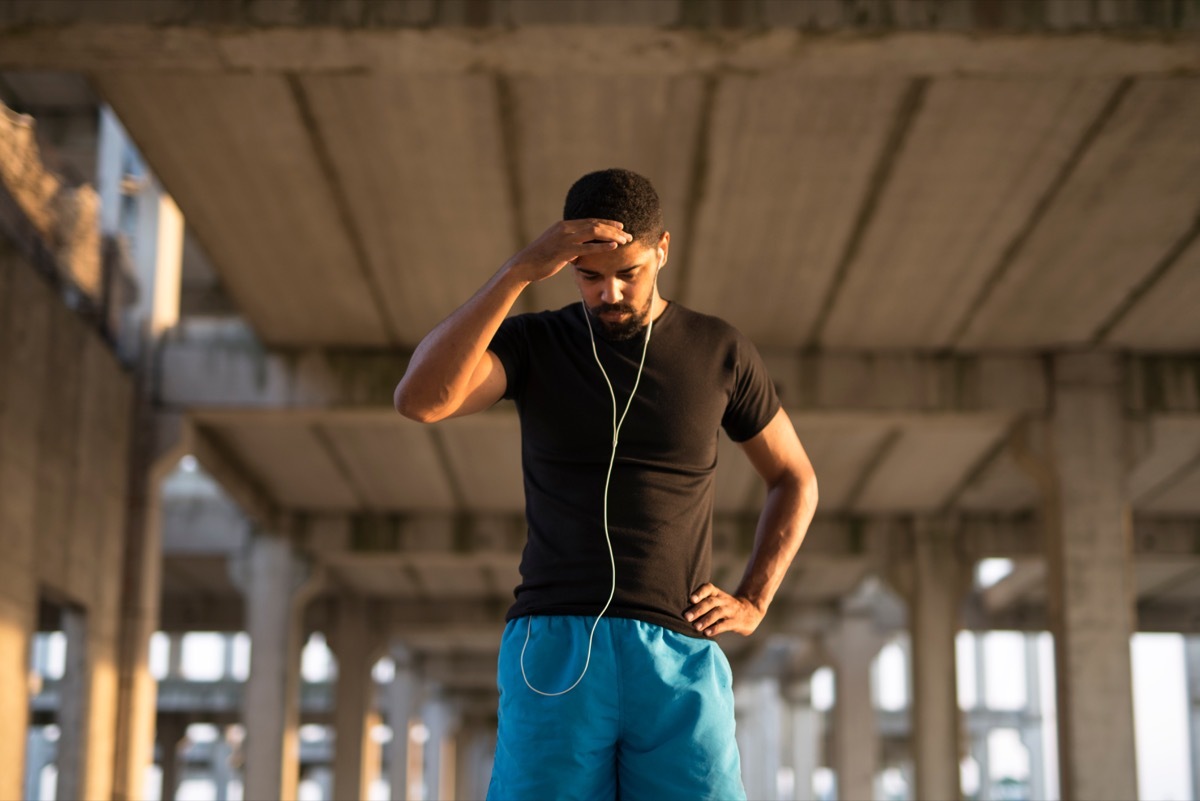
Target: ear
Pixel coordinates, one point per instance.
(664, 247)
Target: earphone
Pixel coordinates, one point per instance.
(616, 429)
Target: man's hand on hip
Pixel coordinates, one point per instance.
(714, 611)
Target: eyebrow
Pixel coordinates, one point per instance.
(630, 269)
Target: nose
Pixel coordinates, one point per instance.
(610, 291)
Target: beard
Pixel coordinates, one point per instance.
(620, 330)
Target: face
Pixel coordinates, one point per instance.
(619, 288)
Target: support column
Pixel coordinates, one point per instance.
(222, 765)
(41, 752)
(856, 731)
(353, 648)
(159, 444)
(760, 732)
(934, 618)
(158, 254)
(476, 746)
(170, 734)
(441, 718)
(1191, 646)
(73, 708)
(401, 705)
(1090, 580)
(803, 736)
(23, 367)
(277, 584)
(979, 739)
(1031, 732)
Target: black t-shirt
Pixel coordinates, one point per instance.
(700, 375)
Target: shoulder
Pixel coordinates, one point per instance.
(709, 329)
(542, 323)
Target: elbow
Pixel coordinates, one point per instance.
(808, 491)
(412, 408)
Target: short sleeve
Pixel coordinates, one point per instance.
(753, 402)
(511, 346)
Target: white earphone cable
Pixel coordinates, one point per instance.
(607, 480)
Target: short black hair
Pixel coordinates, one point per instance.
(621, 195)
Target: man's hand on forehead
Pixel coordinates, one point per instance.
(563, 242)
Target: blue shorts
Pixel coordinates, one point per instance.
(652, 718)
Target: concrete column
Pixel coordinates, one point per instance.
(401, 705)
(174, 655)
(222, 765)
(476, 746)
(171, 731)
(979, 739)
(277, 585)
(73, 708)
(934, 619)
(856, 732)
(157, 449)
(1090, 580)
(760, 729)
(1031, 733)
(441, 718)
(227, 656)
(802, 736)
(23, 368)
(353, 648)
(1192, 655)
(41, 752)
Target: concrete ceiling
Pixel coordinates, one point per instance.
(882, 212)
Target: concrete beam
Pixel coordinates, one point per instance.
(161, 37)
(221, 367)
(241, 485)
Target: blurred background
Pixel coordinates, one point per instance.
(963, 234)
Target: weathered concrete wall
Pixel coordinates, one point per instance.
(64, 445)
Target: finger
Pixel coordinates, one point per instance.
(705, 606)
(711, 618)
(602, 221)
(720, 628)
(703, 592)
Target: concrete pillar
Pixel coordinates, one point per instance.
(934, 619)
(441, 718)
(401, 706)
(802, 736)
(174, 655)
(222, 765)
(73, 708)
(353, 647)
(760, 729)
(170, 734)
(856, 732)
(1031, 732)
(1090, 580)
(979, 739)
(277, 584)
(157, 448)
(40, 753)
(158, 255)
(476, 746)
(23, 368)
(1191, 646)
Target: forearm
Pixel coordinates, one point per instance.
(785, 518)
(442, 365)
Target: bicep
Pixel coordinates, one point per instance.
(776, 452)
(485, 386)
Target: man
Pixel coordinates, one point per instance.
(620, 400)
